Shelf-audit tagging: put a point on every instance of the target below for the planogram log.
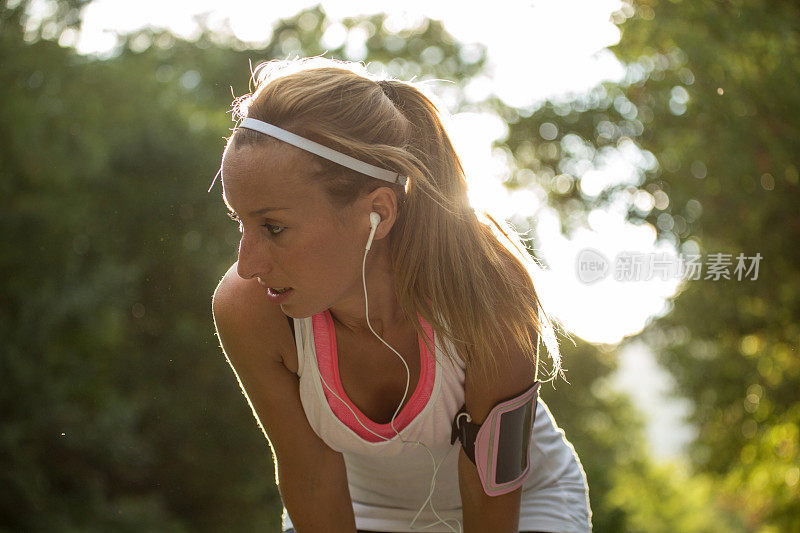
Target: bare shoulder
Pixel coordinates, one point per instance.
(242, 310)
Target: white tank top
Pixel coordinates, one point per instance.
(390, 480)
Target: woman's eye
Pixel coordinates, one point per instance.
(272, 228)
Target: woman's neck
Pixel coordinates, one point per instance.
(385, 313)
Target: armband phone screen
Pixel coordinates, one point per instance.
(515, 434)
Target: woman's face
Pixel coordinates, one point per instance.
(292, 236)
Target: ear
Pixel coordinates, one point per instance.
(383, 201)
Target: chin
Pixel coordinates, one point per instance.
(294, 312)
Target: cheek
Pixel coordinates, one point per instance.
(334, 259)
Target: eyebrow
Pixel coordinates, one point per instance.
(266, 210)
(253, 213)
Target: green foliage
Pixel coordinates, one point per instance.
(709, 98)
(114, 250)
(659, 498)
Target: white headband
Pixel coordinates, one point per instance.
(322, 151)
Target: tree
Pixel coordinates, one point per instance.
(708, 95)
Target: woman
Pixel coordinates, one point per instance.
(371, 317)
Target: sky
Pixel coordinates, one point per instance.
(536, 50)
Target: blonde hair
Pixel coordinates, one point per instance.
(471, 280)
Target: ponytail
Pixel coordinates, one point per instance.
(476, 276)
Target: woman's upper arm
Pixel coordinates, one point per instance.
(311, 476)
(498, 513)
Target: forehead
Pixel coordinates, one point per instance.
(271, 172)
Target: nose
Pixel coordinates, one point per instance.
(254, 259)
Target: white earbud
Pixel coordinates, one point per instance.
(374, 220)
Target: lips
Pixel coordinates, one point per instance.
(279, 295)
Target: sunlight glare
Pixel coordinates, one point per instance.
(608, 310)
